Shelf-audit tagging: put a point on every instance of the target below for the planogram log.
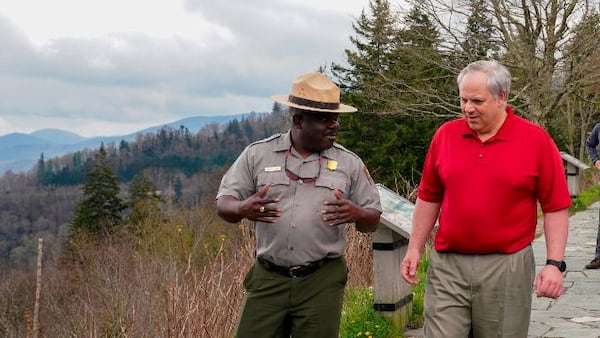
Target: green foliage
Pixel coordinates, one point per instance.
(359, 318)
(585, 198)
(478, 41)
(393, 64)
(144, 198)
(577, 205)
(100, 209)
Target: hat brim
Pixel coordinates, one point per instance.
(284, 99)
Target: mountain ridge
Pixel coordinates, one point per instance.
(20, 151)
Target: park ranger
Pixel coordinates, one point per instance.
(301, 189)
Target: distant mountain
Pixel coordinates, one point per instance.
(194, 124)
(57, 136)
(9, 140)
(19, 151)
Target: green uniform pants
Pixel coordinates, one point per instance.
(482, 296)
(279, 306)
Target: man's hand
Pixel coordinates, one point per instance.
(256, 207)
(340, 210)
(409, 266)
(259, 208)
(549, 282)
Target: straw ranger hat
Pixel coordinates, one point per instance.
(314, 92)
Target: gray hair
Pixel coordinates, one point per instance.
(498, 76)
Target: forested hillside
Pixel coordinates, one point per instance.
(183, 165)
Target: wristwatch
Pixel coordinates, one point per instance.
(561, 265)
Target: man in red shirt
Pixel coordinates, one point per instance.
(484, 176)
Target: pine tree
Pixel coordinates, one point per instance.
(144, 198)
(478, 39)
(41, 169)
(365, 78)
(394, 77)
(100, 209)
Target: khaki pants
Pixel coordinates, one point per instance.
(479, 295)
(280, 306)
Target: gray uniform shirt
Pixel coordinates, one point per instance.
(299, 235)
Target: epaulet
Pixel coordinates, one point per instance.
(265, 140)
(342, 148)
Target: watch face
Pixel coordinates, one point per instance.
(561, 265)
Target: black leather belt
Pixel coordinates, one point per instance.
(294, 271)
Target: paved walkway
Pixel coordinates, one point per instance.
(577, 313)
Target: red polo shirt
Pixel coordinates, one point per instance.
(489, 190)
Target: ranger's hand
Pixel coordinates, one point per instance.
(260, 208)
(340, 210)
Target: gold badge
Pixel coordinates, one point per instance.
(331, 165)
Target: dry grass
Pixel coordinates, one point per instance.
(178, 275)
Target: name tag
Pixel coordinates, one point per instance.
(272, 169)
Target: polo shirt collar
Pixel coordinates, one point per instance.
(503, 133)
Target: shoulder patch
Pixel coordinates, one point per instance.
(366, 172)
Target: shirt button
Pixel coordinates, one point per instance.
(300, 181)
(480, 155)
(293, 226)
(291, 248)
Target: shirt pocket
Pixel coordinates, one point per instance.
(278, 183)
(331, 182)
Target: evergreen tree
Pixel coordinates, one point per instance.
(178, 187)
(478, 40)
(365, 79)
(100, 209)
(144, 198)
(41, 170)
(395, 76)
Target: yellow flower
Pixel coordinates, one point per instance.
(222, 238)
(179, 228)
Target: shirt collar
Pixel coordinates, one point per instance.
(285, 142)
(503, 133)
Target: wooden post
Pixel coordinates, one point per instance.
(393, 296)
(38, 290)
(572, 168)
(572, 180)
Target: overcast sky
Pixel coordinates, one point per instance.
(112, 67)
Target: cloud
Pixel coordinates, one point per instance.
(207, 58)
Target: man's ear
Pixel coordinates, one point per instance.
(502, 96)
(297, 120)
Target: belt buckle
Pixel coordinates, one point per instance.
(294, 268)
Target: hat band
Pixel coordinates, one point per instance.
(313, 104)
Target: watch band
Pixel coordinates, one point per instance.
(561, 265)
